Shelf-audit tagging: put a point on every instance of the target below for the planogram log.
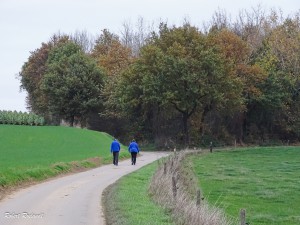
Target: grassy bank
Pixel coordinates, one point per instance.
(264, 181)
(35, 153)
(128, 202)
(174, 187)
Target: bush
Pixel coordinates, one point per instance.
(20, 118)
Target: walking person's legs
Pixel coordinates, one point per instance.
(134, 157)
(116, 158)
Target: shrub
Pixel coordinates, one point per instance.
(20, 118)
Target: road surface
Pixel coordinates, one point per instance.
(70, 200)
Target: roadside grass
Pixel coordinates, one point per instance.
(264, 181)
(175, 187)
(128, 202)
(32, 153)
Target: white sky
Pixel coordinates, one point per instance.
(25, 24)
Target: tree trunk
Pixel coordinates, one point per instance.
(204, 113)
(185, 118)
(72, 121)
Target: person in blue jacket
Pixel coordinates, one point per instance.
(115, 149)
(133, 148)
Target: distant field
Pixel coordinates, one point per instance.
(264, 181)
(28, 152)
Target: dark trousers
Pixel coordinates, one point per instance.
(133, 158)
(115, 158)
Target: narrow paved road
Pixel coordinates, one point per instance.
(70, 200)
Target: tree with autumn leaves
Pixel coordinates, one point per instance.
(32, 73)
(232, 82)
(178, 71)
(62, 81)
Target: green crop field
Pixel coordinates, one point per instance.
(28, 152)
(264, 181)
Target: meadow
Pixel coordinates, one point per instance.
(264, 181)
(38, 152)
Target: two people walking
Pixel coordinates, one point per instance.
(115, 148)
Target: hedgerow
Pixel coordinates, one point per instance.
(20, 118)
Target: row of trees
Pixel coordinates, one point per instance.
(20, 118)
(229, 81)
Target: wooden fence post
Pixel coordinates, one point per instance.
(198, 202)
(243, 216)
(174, 188)
(165, 168)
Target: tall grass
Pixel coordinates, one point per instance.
(264, 181)
(183, 207)
(128, 202)
(35, 153)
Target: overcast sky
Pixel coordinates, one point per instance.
(25, 24)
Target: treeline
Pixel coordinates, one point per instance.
(20, 118)
(226, 82)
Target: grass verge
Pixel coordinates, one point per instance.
(173, 188)
(264, 181)
(31, 154)
(127, 201)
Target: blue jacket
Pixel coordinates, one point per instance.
(115, 146)
(133, 147)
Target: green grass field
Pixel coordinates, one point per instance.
(31, 152)
(264, 181)
(128, 202)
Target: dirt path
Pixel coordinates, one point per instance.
(74, 199)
